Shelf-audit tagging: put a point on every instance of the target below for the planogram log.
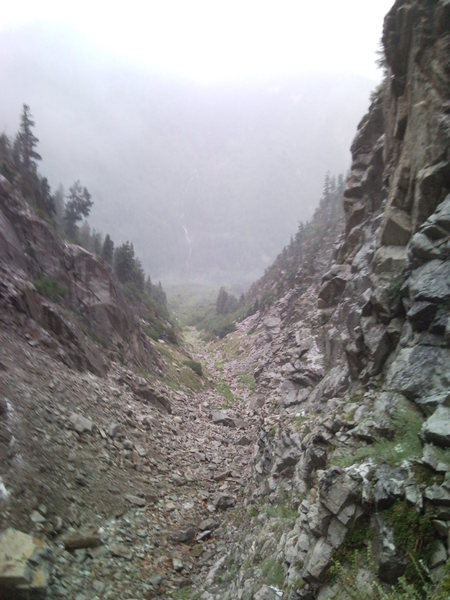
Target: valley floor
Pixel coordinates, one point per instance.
(132, 496)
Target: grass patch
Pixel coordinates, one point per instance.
(407, 423)
(157, 329)
(224, 390)
(219, 366)
(248, 380)
(281, 511)
(273, 572)
(188, 379)
(50, 288)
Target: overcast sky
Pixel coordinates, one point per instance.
(220, 40)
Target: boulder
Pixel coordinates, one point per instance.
(416, 371)
(430, 180)
(389, 486)
(291, 394)
(333, 284)
(136, 500)
(25, 564)
(77, 540)
(318, 559)
(431, 282)
(378, 343)
(272, 322)
(156, 398)
(437, 428)
(223, 501)
(81, 424)
(267, 593)
(421, 315)
(336, 533)
(222, 418)
(337, 490)
(438, 494)
(433, 457)
(422, 247)
(396, 229)
(185, 535)
(390, 259)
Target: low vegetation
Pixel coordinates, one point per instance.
(195, 366)
(352, 587)
(407, 422)
(50, 288)
(248, 380)
(224, 390)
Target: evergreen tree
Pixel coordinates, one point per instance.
(148, 285)
(138, 275)
(78, 206)
(221, 302)
(6, 157)
(84, 236)
(108, 250)
(97, 242)
(58, 201)
(43, 197)
(124, 262)
(25, 152)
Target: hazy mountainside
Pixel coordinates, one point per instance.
(87, 308)
(213, 179)
(350, 488)
(308, 253)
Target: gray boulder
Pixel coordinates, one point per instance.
(318, 559)
(431, 282)
(25, 564)
(80, 424)
(222, 418)
(437, 428)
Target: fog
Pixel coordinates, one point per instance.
(206, 154)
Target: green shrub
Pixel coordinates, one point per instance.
(50, 288)
(407, 423)
(195, 366)
(413, 535)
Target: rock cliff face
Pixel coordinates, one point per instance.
(65, 297)
(356, 368)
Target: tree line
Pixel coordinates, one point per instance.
(19, 164)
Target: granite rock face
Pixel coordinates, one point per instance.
(380, 332)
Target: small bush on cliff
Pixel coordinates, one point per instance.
(413, 536)
(50, 288)
(407, 423)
